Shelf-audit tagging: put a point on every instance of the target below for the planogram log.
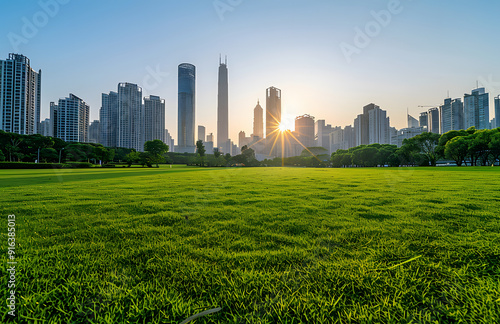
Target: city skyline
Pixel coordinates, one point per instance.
(396, 68)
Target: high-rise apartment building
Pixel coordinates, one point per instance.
(378, 126)
(477, 109)
(130, 117)
(53, 120)
(323, 132)
(186, 108)
(169, 141)
(20, 96)
(222, 106)
(94, 132)
(154, 119)
(258, 121)
(45, 127)
(372, 126)
(108, 119)
(72, 124)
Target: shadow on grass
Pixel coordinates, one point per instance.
(90, 175)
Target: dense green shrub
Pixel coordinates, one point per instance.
(77, 165)
(28, 165)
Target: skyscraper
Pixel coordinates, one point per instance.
(72, 119)
(258, 121)
(45, 127)
(94, 132)
(304, 128)
(497, 111)
(169, 141)
(186, 108)
(154, 119)
(412, 122)
(422, 120)
(433, 120)
(53, 120)
(445, 119)
(108, 119)
(222, 107)
(457, 114)
(477, 109)
(201, 133)
(130, 116)
(273, 120)
(451, 115)
(372, 126)
(378, 126)
(20, 95)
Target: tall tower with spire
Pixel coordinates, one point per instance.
(222, 108)
(258, 121)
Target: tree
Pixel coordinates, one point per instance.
(457, 149)
(49, 155)
(478, 146)
(427, 143)
(200, 149)
(132, 157)
(217, 153)
(13, 147)
(494, 147)
(384, 153)
(156, 148)
(440, 149)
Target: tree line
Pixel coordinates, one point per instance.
(465, 147)
(46, 149)
(469, 147)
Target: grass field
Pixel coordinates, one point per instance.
(266, 245)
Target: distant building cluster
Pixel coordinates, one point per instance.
(127, 119)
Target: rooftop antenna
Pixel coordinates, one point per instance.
(220, 58)
(448, 93)
(225, 61)
(477, 84)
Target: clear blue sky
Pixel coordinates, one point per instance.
(425, 49)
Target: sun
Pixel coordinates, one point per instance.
(282, 127)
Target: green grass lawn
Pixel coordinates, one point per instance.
(267, 245)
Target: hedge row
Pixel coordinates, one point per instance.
(27, 165)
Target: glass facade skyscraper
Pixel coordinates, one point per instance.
(186, 107)
(477, 109)
(497, 111)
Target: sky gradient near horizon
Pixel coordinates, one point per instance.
(414, 57)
